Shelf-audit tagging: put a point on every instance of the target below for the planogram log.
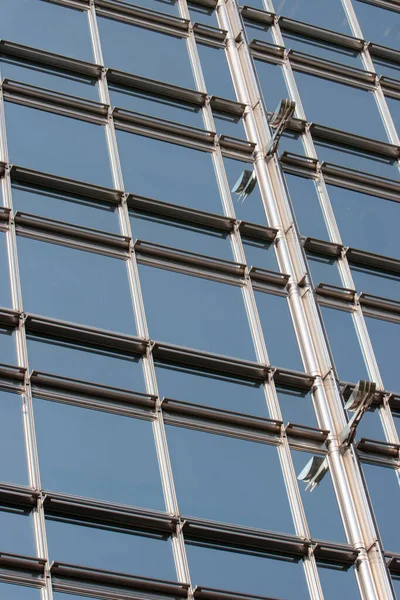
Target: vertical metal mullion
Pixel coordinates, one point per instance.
(140, 317)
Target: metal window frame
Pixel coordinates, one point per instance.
(320, 33)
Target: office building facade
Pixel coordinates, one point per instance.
(191, 289)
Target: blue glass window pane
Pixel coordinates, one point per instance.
(337, 105)
(211, 389)
(260, 253)
(5, 290)
(370, 425)
(344, 345)
(324, 269)
(306, 206)
(216, 72)
(88, 364)
(272, 83)
(376, 282)
(203, 14)
(291, 142)
(258, 31)
(396, 585)
(296, 406)
(280, 338)
(385, 337)
(167, 171)
(82, 287)
(57, 144)
(377, 24)
(181, 234)
(360, 216)
(97, 454)
(65, 207)
(65, 82)
(145, 52)
(252, 209)
(328, 14)
(157, 106)
(165, 6)
(197, 313)
(396, 419)
(338, 54)
(383, 67)
(17, 531)
(394, 107)
(207, 469)
(47, 26)
(112, 550)
(12, 443)
(18, 592)
(384, 491)
(246, 573)
(338, 583)
(8, 349)
(321, 507)
(359, 160)
(231, 125)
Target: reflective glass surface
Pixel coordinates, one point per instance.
(207, 470)
(205, 15)
(17, 533)
(8, 350)
(361, 216)
(344, 345)
(252, 209)
(216, 72)
(338, 583)
(307, 209)
(194, 312)
(110, 549)
(385, 337)
(165, 57)
(47, 26)
(12, 443)
(280, 338)
(324, 269)
(18, 592)
(227, 124)
(42, 76)
(376, 282)
(158, 106)
(164, 6)
(97, 455)
(99, 365)
(5, 290)
(211, 389)
(296, 406)
(260, 253)
(394, 107)
(57, 144)
(322, 49)
(181, 234)
(321, 507)
(384, 491)
(72, 285)
(272, 83)
(323, 13)
(179, 169)
(377, 24)
(86, 212)
(384, 67)
(256, 30)
(337, 105)
(250, 573)
(370, 425)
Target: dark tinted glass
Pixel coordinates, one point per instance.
(228, 479)
(385, 337)
(251, 209)
(98, 365)
(324, 13)
(216, 72)
(113, 550)
(376, 282)
(12, 443)
(42, 76)
(383, 487)
(338, 583)
(344, 345)
(65, 207)
(8, 350)
(47, 26)
(296, 406)
(5, 290)
(145, 52)
(17, 592)
(377, 24)
(324, 269)
(17, 533)
(211, 389)
(321, 507)
(308, 45)
(272, 83)
(77, 286)
(97, 454)
(361, 216)
(246, 573)
(157, 106)
(198, 313)
(336, 105)
(280, 338)
(167, 171)
(57, 144)
(181, 234)
(307, 209)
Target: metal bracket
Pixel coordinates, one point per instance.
(359, 402)
(279, 121)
